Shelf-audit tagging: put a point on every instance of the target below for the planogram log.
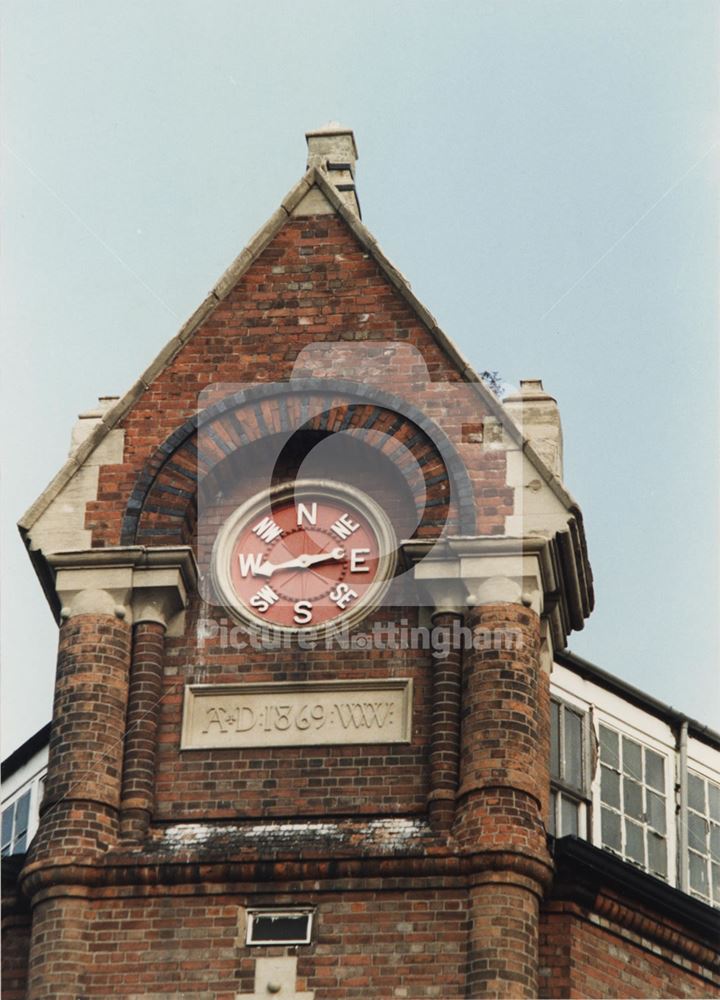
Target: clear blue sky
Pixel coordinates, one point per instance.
(545, 173)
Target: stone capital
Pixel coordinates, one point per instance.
(461, 572)
(134, 583)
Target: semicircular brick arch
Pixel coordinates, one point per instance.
(162, 508)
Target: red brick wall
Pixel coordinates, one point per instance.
(15, 948)
(367, 944)
(585, 955)
(291, 781)
(59, 949)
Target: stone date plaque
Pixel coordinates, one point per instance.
(297, 714)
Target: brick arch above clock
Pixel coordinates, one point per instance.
(162, 508)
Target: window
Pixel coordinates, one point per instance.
(633, 802)
(703, 820)
(15, 820)
(568, 771)
(279, 926)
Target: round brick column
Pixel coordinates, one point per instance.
(58, 949)
(138, 783)
(504, 781)
(445, 725)
(79, 811)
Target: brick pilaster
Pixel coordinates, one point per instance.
(445, 731)
(138, 782)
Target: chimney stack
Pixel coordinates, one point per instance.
(332, 149)
(536, 414)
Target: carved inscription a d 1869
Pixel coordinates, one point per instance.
(297, 714)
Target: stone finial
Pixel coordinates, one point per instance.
(332, 149)
(536, 414)
(88, 421)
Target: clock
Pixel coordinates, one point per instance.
(308, 555)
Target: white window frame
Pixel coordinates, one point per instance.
(708, 773)
(624, 727)
(15, 834)
(284, 911)
(35, 785)
(558, 787)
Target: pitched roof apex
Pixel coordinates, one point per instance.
(315, 176)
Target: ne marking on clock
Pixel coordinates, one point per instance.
(344, 527)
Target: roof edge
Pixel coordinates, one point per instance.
(22, 754)
(583, 870)
(589, 671)
(221, 289)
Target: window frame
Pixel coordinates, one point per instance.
(35, 787)
(623, 727)
(252, 912)
(15, 834)
(560, 788)
(708, 776)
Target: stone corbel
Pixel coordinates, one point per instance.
(461, 572)
(133, 583)
(162, 586)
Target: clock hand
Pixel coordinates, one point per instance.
(300, 562)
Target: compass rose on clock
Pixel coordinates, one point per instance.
(307, 555)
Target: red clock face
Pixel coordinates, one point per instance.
(304, 560)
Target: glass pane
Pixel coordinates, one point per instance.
(609, 749)
(7, 824)
(633, 799)
(714, 800)
(696, 793)
(611, 830)
(279, 927)
(610, 787)
(573, 749)
(716, 882)
(634, 842)
(568, 816)
(715, 841)
(698, 874)
(20, 844)
(554, 740)
(551, 817)
(656, 811)
(632, 758)
(657, 854)
(697, 832)
(22, 811)
(655, 770)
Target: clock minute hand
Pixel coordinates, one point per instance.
(300, 562)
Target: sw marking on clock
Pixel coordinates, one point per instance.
(304, 556)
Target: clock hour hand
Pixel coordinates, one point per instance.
(300, 562)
